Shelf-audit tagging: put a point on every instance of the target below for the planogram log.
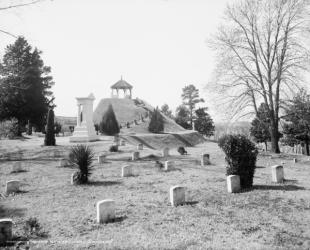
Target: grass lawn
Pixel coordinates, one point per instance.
(270, 216)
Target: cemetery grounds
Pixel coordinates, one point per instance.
(269, 216)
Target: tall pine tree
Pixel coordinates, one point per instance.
(297, 126)
(190, 98)
(260, 128)
(50, 130)
(109, 124)
(157, 122)
(25, 85)
(204, 123)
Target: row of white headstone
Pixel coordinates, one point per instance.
(233, 181)
(106, 208)
(205, 158)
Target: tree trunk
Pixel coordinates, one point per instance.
(19, 128)
(307, 147)
(274, 137)
(29, 130)
(266, 145)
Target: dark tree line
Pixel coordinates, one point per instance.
(25, 86)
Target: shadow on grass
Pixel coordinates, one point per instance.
(260, 167)
(274, 187)
(104, 183)
(190, 203)
(117, 219)
(11, 212)
(19, 171)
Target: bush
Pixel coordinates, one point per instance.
(9, 129)
(81, 156)
(241, 156)
(50, 130)
(157, 122)
(182, 151)
(57, 127)
(109, 124)
(33, 229)
(113, 148)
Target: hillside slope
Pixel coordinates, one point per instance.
(128, 110)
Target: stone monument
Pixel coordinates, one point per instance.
(85, 130)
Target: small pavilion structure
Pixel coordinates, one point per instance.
(124, 86)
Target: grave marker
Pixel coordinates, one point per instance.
(5, 230)
(233, 183)
(127, 171)
(63, 163)
(135, 156)
(17, 167)
(205, 160)
(105, 211)
(168, 166)
(101, 159)
(165, 152)
(277, 173)
(177, 195)
(12, 187)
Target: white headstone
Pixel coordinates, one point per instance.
(127, 171)
(12, 187)
(177, 195)
(295, 160)
(277, 173)
(105, 211)
(233, 183)
(17, 166)
(169, 166)
(165, 152)
(101, 159)
(5, 230)
(205, 160)
(63, 163)
(140, 146)
(135, 156)
(85, 129)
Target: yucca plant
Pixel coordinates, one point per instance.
(82, 157)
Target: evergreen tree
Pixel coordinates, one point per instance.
(260, 128)
(297, 126)
(109, 124)
(50, 129)
(166, 111)
(183, 117)
(157, 122)
(204, 123)
(25, 85)
(190, 98)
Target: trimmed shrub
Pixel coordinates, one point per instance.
(33, 229)
(57, 127)
(109, 124)
(9, 129)
(113, 148)
(241, 155)
(50, 130)
(81, 156)
(157, 122)
(182, 151)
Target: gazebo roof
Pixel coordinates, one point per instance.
(121, 84)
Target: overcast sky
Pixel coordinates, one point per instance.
(158, 46)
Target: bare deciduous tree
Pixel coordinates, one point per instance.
(16, 4)
(262, 51)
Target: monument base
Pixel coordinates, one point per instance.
(81, 134)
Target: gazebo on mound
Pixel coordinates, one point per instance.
(121, 85)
